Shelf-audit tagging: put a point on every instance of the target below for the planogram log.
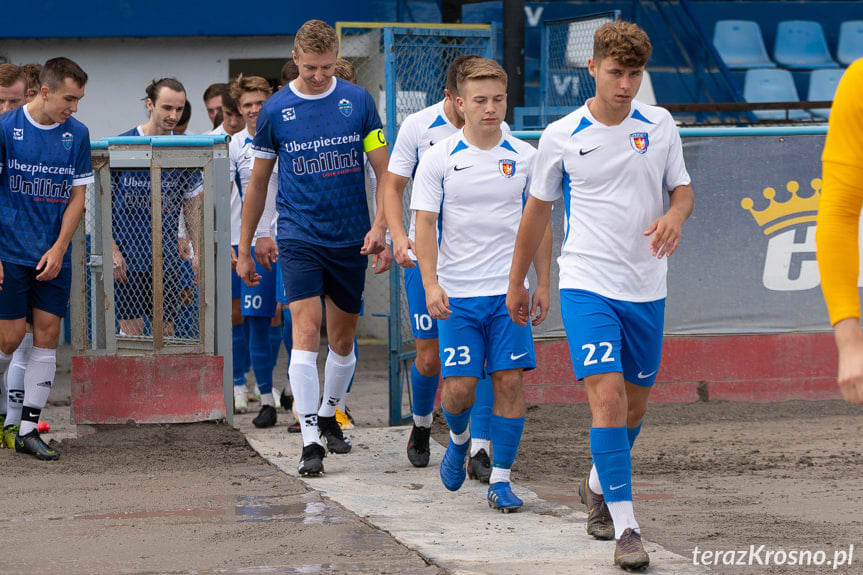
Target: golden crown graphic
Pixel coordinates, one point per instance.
(780, 215)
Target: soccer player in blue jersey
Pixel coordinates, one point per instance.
(257, 304)
(13, 87)
(417, 134)
(318, 128)
(132, 250)
(474, 183)
(44, 170)
(612, 160)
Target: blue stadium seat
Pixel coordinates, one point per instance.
(801, 44)
(822, 87)
(850, 45)
(772, 85)
(741, 44)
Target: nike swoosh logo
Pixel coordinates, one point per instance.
(514, 357)
(431, 143)
(460, 168)
(616, 487)
(583, 152)
(645, 375)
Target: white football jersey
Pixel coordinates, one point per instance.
(612, 179)
(479, 195)
(242, 160)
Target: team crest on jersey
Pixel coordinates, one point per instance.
(288, 114)
(345, 107)
(17, 133)
(67, 138)
(639, 141)
(507, 168)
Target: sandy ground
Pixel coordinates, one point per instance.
(195, 498)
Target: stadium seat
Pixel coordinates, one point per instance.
(850, 45)
(801, 44)
(741, 44)
(822, 87)
(772, 85)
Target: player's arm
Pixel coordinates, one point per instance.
(542, 264)
(534, 224)
(376, 239)
(52, 261)
(393, 195)
(426, 250)
(192, 219)
(253, 207)
(667, 228)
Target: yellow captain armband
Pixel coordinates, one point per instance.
(374, 140)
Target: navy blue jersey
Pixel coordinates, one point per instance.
(319, 142)
(133, 216)
(39, 165)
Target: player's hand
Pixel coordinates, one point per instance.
(196, 269)
(400, 251)
(383, 261)
(50, 263)
(246, 270)
(437, 302)
(1, 276)
(266, 252)
(666, 232)
(120, 269)
(849, 339)
(539, 305)
(375, 241)
(518, 303)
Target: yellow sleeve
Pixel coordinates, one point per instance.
(837, 229)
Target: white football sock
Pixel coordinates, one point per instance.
(38, 380)
(338, 372)
(305, 387)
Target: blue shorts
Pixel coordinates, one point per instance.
(134, 297)
(22, 291)
(236, 282)
(310, 270)
(480, 333)
(259, 301)
(607, 335)
(423, 326)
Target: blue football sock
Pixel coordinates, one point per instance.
(275, 342)
(506, 437)
(247, 358)
(481, 414)
(239, 349)
(259, 348)
(632, 433)
(457, 422)
(424, 390)
(610, 449)
(287, 334)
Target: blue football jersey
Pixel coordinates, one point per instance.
(319, 142)
(39, 165)
(132, 215)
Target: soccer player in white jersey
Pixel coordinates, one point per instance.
(318, 127)
(257, 304)
(232, 120)
(44, 170)
(474, 183)
(417, 134)
(612, 160)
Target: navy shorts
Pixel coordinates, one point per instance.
(134, 297)
(310, 270)
(22, 291)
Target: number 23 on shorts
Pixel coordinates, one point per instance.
(456, 355)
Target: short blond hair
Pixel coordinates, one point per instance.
(345, 70)
(479, 69)
(623, 42)
(244, 84)
(316, 37)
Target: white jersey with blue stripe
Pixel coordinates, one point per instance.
(612, 179)
(242, 160)
(39, 166)
(319, 141)
(479, 195)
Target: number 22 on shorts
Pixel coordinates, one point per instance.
(603, 349)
